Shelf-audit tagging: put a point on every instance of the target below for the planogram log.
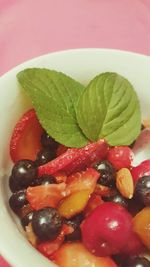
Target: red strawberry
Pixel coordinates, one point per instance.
(142, 169)
(82, 181)
(75, 159)
(45, 195)
(47, 248)
(76, 255)
(25, 140)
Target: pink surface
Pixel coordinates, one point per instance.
(29, 28)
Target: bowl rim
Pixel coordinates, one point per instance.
(3, 249)
(73, 50)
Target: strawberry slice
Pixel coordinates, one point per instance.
(45, 195)
(75, 159)
(82, 181)
(47, 248)
(25, 140)
(75, 254)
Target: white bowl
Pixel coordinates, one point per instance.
(81, 64)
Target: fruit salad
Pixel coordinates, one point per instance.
(80, 200)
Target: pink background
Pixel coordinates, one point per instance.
(29, 28)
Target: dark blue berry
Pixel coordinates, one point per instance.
(75, 224)
(142, 190)
(45, 179)
(23, 174)
(47, 223)
(45, 155)
(137, 262)
(18, 200)
(48, 141)
(119, 199)
(107, 173)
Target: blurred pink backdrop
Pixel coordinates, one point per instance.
(29, 28)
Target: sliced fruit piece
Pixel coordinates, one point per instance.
(141, 226)
(141, 170)
(120, 157)
(76, 255)
(74, 204)
(124, 183)
(85, 180)
(107, 173)
(31, 235)
(75, 159)
(107, 229)
(45, 195)
(104, 191)
(60, 150)
(93, 203)
(25, 140)
(60, 177)
(47, 248)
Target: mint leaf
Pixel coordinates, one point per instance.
(109, 108)
(54, 96)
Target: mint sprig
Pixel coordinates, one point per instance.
(109, 109)
(54, 96)
(72, 114)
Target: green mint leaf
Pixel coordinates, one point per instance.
(54, 96)
(109, 109)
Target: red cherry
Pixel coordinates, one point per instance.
(120, 157)
(141, 170)
(107, 229)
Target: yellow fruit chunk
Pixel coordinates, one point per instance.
(124, 183)
(141, 225)
(76, 255)
(31, 235)
(74, 204)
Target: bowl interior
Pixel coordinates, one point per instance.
(83, 65)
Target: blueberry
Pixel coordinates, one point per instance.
(120, 260)
(23, 173)
(27, 219)
(142, 190)
(119, 199)
(107, 173)
(45, 179)
(45, 155)
(47, 223)
(18, 200)
(48, 141)
(13, 185)
(75, 224)
(137, 262)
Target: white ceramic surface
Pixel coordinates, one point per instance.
(81, 64)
